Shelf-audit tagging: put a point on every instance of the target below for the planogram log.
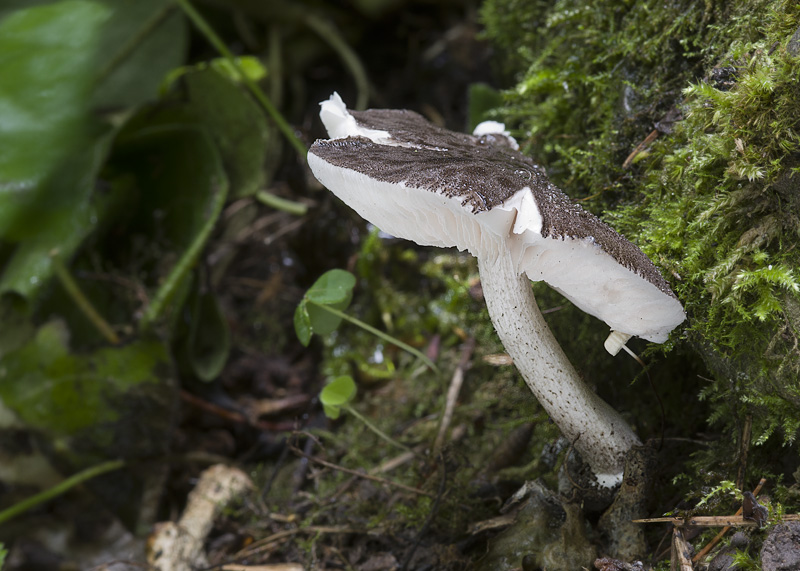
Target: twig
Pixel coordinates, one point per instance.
(264, 544)
(639, 148)
(744, 447)
(176, 546)
(232, 415)
(680, 552)
(360, 474)
(452, 393)
(393, 463)
(702, 553)
(711, 520)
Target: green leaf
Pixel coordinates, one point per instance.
(140, 43)
(81, 409)
(178, 172)
(238, 126)
(62, 394)
(302, 323)
(210, 342)
(338, 392)
(250, 65)
(180, 178)
(47, 63)
(482, 99)
(51, 147)
(322, 321)
(332, 287)
(64, 226)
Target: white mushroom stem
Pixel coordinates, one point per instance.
(598, 432)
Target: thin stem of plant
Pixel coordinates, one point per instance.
(378, 333)
(59, 488)
(83, 303)
(349, 58)
(260, 96)
(186, 262)
(377, 431)
(278, 203)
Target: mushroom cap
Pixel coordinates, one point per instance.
(441, 188)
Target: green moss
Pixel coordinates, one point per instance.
(714, 200)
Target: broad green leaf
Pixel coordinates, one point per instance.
(47, 68)
(62, 394)
(140, 43)
(51, 147)
(338, 392)
(63, 226)
(178, 172)
(302, 323)
(332, 412)
(332, 287)
(323, 321)
(115, 402)
(209, 341)
(183, 187)
(238, 126)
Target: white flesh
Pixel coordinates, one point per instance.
(597, 431)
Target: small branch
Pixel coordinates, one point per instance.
(238, 417)
(83, 303)
(712, 521)
(361, 474)
(702, 553)
(744, 447)
(680, 552)
(176, 546)
(639, 148)
(453, 392)
(265, 544)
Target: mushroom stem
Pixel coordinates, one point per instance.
(598, 432)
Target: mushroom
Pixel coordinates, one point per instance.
(436, 187)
